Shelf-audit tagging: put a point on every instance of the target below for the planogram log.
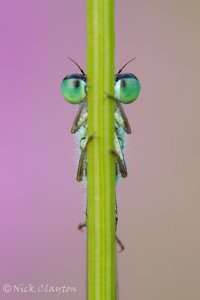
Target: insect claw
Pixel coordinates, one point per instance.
(114, 152)
(109, 96)
(81, 226)
(91, 137)
(122, 249)
(120, 244)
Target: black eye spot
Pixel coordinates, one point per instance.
(76, 84)
(123, 83)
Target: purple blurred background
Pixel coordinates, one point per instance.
(41, 202)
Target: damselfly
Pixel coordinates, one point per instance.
(74, 90)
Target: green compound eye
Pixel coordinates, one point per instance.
(127, 88)
(73, 88)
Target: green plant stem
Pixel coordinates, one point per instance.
(101, 165)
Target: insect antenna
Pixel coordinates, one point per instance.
(125, 65)
(78, 66)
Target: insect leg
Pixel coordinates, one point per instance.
(116, 219)
(122, 167)
(120, 244)
(80, 170)
(75, 125)
(117, 152)
(116, 213)
(125, 124)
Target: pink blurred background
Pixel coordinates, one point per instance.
(41, 202)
